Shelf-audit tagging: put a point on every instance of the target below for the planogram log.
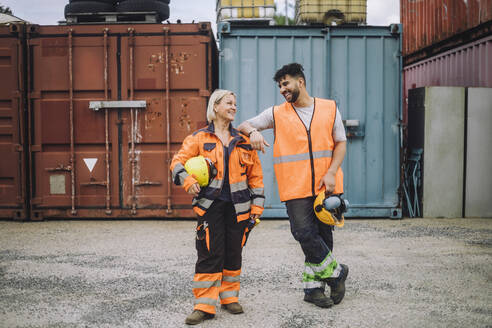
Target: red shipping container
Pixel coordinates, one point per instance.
(114, 162)
(13, 142)
(428, 22)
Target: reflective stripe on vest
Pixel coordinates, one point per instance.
(302, 157)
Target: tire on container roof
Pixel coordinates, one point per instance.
(145, 5)
(88, 7)
(113, 2)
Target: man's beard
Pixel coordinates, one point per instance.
(295, 95)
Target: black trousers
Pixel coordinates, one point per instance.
(220, 239)
(315, 237)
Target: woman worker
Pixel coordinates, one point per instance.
(225, 207)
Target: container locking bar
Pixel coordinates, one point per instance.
(119, 104)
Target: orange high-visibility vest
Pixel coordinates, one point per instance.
(300, 157)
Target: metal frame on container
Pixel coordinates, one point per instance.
(14, 144)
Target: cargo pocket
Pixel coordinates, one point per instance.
(245, 157)
(245, 160)
(209, 151)
(203, 234)
(245, 236)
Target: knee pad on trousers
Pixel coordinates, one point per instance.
(303, 235)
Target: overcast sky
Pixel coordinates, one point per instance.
(49, 12)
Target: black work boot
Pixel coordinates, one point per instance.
(337, 285)
(233, 308)
(318, 298)
(198, 316)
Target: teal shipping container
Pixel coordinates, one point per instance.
(359, 67)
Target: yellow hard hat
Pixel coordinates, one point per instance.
(200, 168)
(333, 215)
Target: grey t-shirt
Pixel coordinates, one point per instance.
(264, 121)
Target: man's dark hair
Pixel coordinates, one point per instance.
(293, 69)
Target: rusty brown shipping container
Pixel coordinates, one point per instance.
(13, 142)
(433, 26)
(109, 106)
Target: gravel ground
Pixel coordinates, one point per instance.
(405, 273)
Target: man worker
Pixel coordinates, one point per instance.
(309, 147)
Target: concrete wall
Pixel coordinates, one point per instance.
(443, 151)
(478, 199)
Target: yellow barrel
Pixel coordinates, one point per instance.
(328, 11)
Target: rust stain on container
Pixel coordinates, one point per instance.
(13, 133)
(55, 47)
(428, 22)
(115, 162)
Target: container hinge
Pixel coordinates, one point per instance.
(148, 183)
(17, 148)
(60, 167)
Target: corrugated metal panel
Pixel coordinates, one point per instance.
(13, 147)
(115, 162)
(468, 66)
(358, 67)
(430, 21)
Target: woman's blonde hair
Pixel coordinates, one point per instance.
(215, 98)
